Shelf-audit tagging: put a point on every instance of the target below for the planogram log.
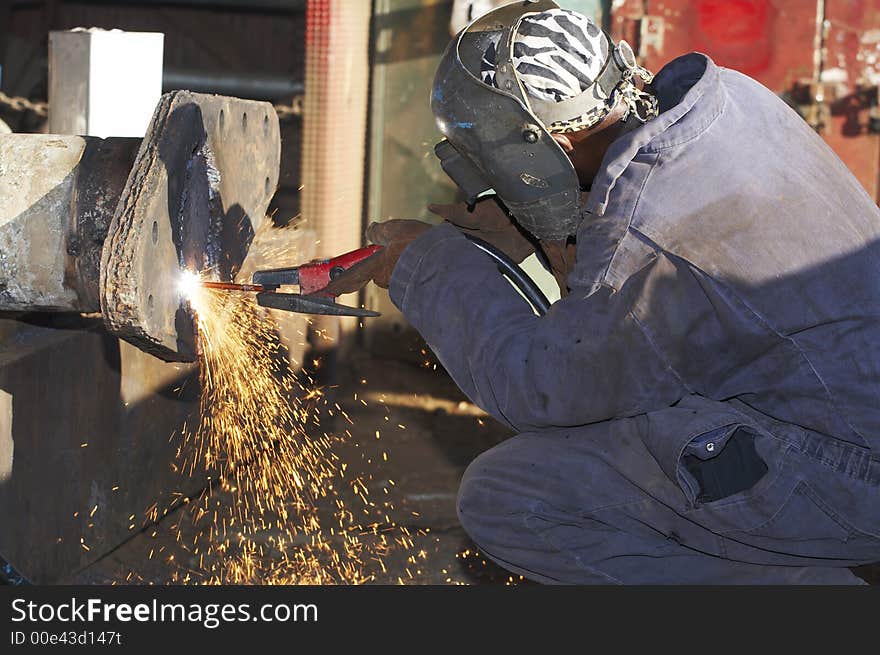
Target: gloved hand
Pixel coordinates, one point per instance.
(395, 236)
(490, 222)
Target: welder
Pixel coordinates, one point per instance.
(702, 406)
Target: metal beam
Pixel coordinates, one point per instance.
(57, 197)
(242, 5)
(256, 86)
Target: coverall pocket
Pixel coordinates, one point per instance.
(721, 463)
(733, 477)
(710, 452)
(806, 526)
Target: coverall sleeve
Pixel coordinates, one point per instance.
(586, 360)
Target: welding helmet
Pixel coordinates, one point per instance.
(494, 138)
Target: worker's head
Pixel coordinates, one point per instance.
(523, 94)
(558, 55)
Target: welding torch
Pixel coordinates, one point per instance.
(314, 276)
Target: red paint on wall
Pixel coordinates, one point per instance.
(772, 41)
(736, 31)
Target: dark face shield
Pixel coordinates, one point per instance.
(494, 141)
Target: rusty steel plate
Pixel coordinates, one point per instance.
(199, 189)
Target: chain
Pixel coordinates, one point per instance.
(42, 108)
(23, 104)
(287, 111)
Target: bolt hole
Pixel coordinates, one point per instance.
(268, 188)
(244, 122)
(150, 304)
(155, 233)
(222, 120)
(266, 125)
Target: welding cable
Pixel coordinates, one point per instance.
(515, 274)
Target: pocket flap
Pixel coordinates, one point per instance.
(672, 429)
(708, 445)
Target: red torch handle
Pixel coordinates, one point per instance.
(316, 275)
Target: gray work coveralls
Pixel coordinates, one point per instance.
(703, 407)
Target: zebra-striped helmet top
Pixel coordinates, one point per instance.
(560, 54)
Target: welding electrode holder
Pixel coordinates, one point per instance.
(311, 279)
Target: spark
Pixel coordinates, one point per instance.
(265, 519)
(280, 506)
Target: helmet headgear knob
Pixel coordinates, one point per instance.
(531, 134)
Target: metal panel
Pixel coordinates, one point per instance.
(823, 54)
(197, 194)
(851, 71)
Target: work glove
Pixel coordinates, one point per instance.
(395, 236)
(490, 222)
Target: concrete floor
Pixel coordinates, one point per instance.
(429, 432)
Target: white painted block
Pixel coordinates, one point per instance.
(104, 82)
